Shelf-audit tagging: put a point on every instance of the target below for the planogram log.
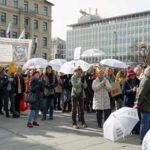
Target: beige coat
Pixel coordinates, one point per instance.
(101, 100)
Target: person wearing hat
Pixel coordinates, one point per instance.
(77, 96)
(129, 88)
(36, 88)
(143, 103)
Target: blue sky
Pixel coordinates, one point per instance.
(67, 11)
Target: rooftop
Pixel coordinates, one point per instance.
(81, 23)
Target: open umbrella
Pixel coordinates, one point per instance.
(35, 63)
(68, 67)
(113, 63)
(57, 63)
(92, 53)
(146, 141)
(120, 123)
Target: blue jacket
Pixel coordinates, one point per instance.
(37, 88)
(128, 94)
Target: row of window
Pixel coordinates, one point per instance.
(35, 8)
(15, 35)
(26, 21)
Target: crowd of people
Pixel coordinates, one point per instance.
(89, 91)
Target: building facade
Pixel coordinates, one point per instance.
(118, 37)
(58, 48)
(33, 16)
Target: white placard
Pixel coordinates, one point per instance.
(77, 53)
(17, 50)
(6, 54)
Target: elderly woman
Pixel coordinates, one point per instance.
(101, 99)
(143, 102)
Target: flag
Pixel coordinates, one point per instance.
(22, 35)
(35, 46)
(8, 32)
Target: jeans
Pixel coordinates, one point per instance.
(145, 124)
(49, 105)
(99, 115)
(32, 116)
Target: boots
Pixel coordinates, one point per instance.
(29, 125)
(7, 114)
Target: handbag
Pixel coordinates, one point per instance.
(48, 91)
(31, 97)
(23, 104)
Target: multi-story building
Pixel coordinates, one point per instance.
(58, 48)
(119, 37)
(33, 16)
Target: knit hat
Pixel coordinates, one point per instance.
(147, 71)
(35, 72)
(130, 72)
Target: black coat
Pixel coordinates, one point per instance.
(37, 88)
(23, 87)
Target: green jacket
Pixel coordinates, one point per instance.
(78, 85)
(143, 95)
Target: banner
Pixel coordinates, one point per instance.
(15, 50)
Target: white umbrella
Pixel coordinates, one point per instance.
(146, 141)
(57, 63)
(68, 67)
(92, 53)
(120, 123)
(35, 63)
(113, 63)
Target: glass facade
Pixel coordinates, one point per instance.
(117, 37)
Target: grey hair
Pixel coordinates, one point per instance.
(147, 71)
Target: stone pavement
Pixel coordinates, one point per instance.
(58, 134)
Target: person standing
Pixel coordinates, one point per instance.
(37, 89)
(101, 99)
(20, 88)
(3, 92)
(143, 103)
(78, 95)
(49, 81)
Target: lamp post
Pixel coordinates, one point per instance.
(115, 40)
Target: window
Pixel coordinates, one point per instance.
(15, 19)
(44, 42)
(26, 36)
(36, 8)
(34, 39)
(14, 34)
(3, 2)
(2, 33)
(15, 3)
(44, 55)
(26, 6)
(26, 22)
(35, 24)
(44, 26)
(3, 17)
(45, 11)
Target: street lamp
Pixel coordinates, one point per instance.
(115, 35)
